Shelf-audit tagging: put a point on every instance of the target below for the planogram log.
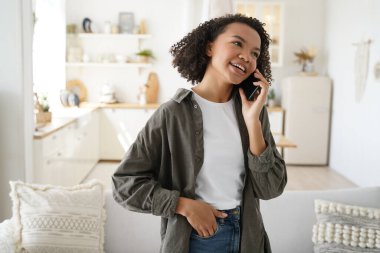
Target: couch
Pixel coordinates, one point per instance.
(288, 220)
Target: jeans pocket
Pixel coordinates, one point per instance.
(194, 234)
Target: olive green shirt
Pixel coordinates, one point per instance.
(164, 161)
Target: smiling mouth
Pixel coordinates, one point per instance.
(238, 66)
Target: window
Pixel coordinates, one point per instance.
(271, 14)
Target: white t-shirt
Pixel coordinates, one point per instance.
(220, 180)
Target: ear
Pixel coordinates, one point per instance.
(209, 49)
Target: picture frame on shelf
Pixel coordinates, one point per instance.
(126, 22)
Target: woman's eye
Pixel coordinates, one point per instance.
(255, 54)
(237, 43)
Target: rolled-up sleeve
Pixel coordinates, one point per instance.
(135, 184)
(268, 169)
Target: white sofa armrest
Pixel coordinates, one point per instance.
(7, 231)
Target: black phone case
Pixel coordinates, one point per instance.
(249, 88)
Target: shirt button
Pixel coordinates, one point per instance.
(195, 106)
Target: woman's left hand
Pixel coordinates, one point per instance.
(252, 109)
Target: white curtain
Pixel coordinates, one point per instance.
(49, 49)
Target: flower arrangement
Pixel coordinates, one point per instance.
(41, 105)
(305, 57)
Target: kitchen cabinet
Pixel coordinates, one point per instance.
(119, 128)
(66, 156)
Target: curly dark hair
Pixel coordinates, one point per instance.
(190, 56)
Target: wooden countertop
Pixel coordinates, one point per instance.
(283, 142)
(119, 105)
(275, 109)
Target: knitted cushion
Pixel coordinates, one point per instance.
(58, 219)
(346, 228)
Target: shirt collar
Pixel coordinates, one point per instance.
(182, 93)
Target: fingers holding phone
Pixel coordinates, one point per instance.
(255, 86)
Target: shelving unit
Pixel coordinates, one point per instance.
(110, 36)
(108, 65)
(81, 40)
(93, 59)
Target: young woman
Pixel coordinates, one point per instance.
(206, 157)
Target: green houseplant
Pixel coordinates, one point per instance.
(145, 55)
(270, 97)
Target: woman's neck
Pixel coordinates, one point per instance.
(213, 89)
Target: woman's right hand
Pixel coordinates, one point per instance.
(200, 215)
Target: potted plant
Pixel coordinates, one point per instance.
(270, 97)
(145, 55)
(42, 107)
(305, 57)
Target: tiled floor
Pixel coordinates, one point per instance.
(299, 177)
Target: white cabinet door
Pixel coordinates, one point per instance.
(50, 155)
(110, 127)
(86, 145)
(119, 129)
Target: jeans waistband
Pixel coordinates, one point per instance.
(235, 212)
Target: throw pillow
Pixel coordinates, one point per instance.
(346, 228)
(58, 219)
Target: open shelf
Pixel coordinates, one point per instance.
(110, 36)
(110, 65)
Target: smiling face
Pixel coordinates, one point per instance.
(234, 54)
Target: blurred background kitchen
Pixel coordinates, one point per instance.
(80, 78)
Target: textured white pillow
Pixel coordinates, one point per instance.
(58, 219)
(346, 228)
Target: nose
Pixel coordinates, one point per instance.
(244, 58)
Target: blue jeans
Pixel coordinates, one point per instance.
(226, 238)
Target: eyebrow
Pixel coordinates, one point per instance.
(243, 40)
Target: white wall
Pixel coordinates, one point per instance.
(15, 97)
(355, 136)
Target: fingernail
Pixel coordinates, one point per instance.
(225, 215)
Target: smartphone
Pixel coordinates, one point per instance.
(249, 88)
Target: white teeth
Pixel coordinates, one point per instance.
(239, 66)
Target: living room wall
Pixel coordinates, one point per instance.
(355, 135)
(16, 103)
